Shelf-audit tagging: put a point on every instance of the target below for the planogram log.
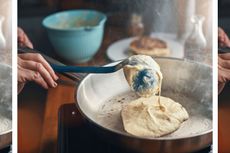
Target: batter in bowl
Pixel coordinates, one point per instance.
(149, 115)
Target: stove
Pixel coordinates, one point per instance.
(6, 150)
(75, 136)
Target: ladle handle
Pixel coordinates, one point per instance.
(72, 76)
(223, 50)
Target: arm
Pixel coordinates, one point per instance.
(223, 39)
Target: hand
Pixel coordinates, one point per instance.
(33, 67)
(223, 39)
(223, 70)
(23, 40)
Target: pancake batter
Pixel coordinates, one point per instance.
(143, 75)
(143, 117)
(149, 115)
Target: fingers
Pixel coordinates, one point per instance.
(29, 75)
(23, 39)
(223, 75)
(221, 33)
(39, 59)
(220, 87)
(220, 30)
(222, 44)
(223, 63)
(223, 68)
(39, 80)
(223, 39)
(225, 56)
(20, 86)
(35, 66)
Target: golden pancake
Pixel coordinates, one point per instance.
(149, 46)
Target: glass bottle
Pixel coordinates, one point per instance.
(2, 38)
(195, 43)
(136, 26)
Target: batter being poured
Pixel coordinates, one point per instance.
(143, 75)
(151, 115)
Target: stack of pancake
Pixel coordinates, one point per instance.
(149, 46)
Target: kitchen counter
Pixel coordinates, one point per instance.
(65, 93)
(38, 108)
(224, 120)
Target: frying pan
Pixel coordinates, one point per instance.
(5, 106)
(100, 97)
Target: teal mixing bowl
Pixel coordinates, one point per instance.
(76, 35)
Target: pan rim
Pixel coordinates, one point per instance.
(133, 136)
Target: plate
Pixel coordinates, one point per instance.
(119, 50)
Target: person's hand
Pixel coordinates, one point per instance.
(223, 39)
(223, 70)
(23, 40)
(33, 67)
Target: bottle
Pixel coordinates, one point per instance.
(136, 26)
(195, 43)
(2, 38)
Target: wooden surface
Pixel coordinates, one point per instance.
(224, 120)
(65, 93)
(38, 109)
(55, 98)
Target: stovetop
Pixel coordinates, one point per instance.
(6, 150)
(75, 136)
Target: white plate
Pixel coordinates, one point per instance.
(120, 49)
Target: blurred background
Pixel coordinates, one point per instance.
(5, 31)
(168, 16)
(224, 15)
(169, 20)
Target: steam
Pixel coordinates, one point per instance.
(171, 16)
(5, 98)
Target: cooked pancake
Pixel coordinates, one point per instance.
(149, 46)
(145, 118)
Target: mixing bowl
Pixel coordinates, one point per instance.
(76, 35)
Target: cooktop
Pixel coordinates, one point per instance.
(6, 150)
(75, 136)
